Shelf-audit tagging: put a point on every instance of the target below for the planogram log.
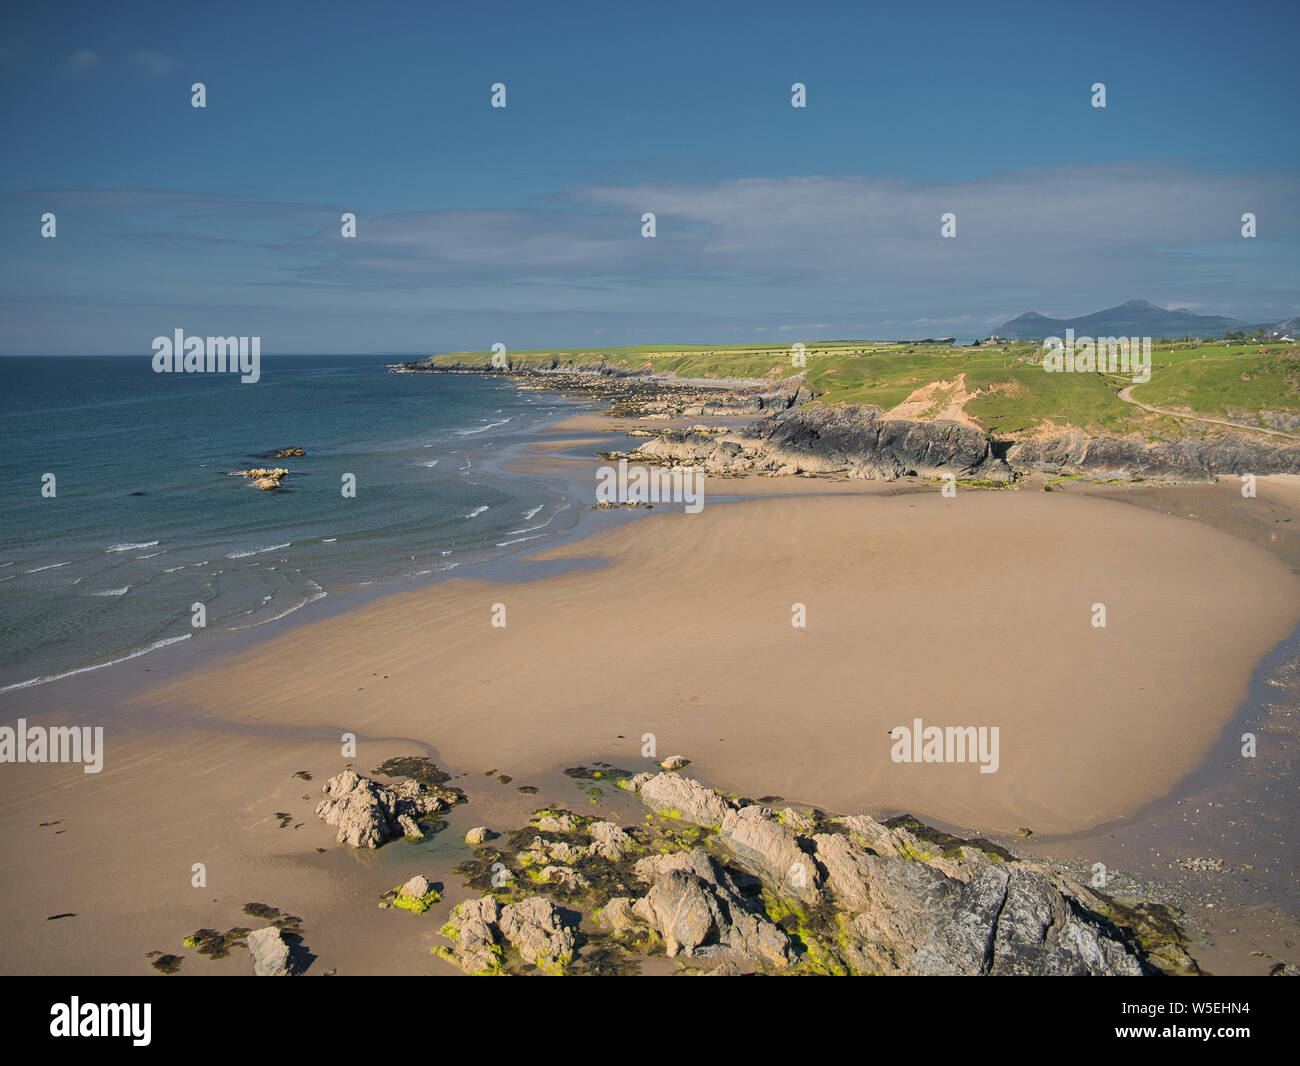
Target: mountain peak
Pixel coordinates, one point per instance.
(1145, 305)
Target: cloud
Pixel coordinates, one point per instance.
(152, 61)
(81, 60)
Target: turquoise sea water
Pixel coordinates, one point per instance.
(145, 522)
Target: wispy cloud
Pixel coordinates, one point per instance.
(153, 61)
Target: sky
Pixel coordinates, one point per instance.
(523, 225)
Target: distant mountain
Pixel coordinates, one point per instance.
(1137, 318)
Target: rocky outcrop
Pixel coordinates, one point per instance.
(367, 814)
(533, 927)
(637, 392)
(265, 479)
(855, 439)
(1200, 458)
(867, 898)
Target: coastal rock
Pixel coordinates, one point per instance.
(365, 813)
(557, 823)
(533, 926)
(688, 799)
(772, 850)
(477, 835)
(675, 762)
(270, 954)
(473, 925)
(610, 841)
(681, 911)
(417, 886)
(1012, 922)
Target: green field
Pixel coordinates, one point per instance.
(1015, 396)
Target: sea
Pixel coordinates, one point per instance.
(119, 516)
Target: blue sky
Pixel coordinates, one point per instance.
(522, 225)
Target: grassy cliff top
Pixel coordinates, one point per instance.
(1003, 388)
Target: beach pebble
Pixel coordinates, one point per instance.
(1024, 832)
(675, 762)
(477, 835)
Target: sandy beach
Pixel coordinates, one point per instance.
(917, 607)
(677, 625)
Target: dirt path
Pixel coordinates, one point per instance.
(1125, 394)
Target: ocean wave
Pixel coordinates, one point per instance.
(431, 462)
(258, 551)
(529, 514)
(329, 540)
(477, 511)
(52, 566)
(481, 429)
(131, 547)
(98, 666)
(113, 592)
(517, 540)
(275, 618)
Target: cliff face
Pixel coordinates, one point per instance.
(825, 439)
(861, 441)
(1197, 458)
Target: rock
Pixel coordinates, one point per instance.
(670, 794)
(368, 814)
(725, 968)
(609, 841)
(1024, 832)
(770, 849)
(417, 886)
(534, 928)
(365, 813)
(557, 823)
(1284, 969)
(477, 835)
(1012, 921)
(618, 915)
(476, 949)
(634, 783)
(675, 762)
(681, 911)
(565, 876)
(270, 954)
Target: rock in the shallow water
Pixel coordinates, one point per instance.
(670, 794)
(675, 762)
(365, 813)
(533, 926)
(634, 783)
(417, 886)
(477, 835)
(368, 814)
(270, 953)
